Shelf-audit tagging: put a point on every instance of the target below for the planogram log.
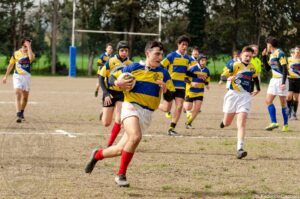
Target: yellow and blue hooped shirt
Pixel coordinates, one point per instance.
(102, 59)
(177, 65)
(199, 89)
(146, 92)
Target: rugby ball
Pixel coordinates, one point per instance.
(128, 76)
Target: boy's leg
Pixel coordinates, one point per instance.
(241, 127)
(107, 115)
(272, 112)
(117, 125)
(18, 93)
(227, 119)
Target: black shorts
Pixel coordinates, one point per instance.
(191, 99)
(294, 85)
(180, 93)
(117, 96)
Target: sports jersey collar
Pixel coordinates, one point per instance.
(122, 60)
(182, 55)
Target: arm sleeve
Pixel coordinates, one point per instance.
(284, 73)
(265, 63)
(103, 87)
(256, 82)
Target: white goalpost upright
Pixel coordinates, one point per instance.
(72, 48)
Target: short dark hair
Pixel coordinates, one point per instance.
(195, 48)
(273, 41)
(109, 44)
(298, 46)
(153, 44)
(25, 39)
(235, 51)
(183, 38)
(248, 49)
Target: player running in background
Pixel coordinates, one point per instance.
(22, 60)
(195, 90)
(294, 83)
(103, 58)
(113, 96)
(151, 81)
(177, 63)
(278, 85)
(237, 100)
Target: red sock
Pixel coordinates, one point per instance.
(125, 160)
(114, 133)
(99, 155)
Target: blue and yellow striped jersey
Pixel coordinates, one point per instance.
(146, 92)
(177, 66)
(112, 64)
(294, 68)
(277, 59)
(244, 75)
(199, 89)
(22, 62)
(102, 59)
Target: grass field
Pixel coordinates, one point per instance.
(41, 65)
(44, 157)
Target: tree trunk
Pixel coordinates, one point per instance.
(53, 37)
(91, 62)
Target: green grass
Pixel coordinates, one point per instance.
(41, 66)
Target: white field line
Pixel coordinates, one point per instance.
(57, 132)
(13, 102)
(74, 135)
(71, 135)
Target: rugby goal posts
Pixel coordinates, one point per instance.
(72, 48)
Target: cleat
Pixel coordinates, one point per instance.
(272, 126)
(241, 154)
(121, 181)
(96, 93)
(285, 128)
(222, 125)
(100, 116)
(19, 119)
(294, 117)
(91, 163)
(188, 126)
(22, 117)
(168, 115)
(171, 132)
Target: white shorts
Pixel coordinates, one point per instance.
(274, 87)
(237, 102)
(144, 115)
(22, 81)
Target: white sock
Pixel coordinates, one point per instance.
(240, 144)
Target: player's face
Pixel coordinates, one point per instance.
(109, 49)
(154, 57)
(182, 47)
(255, 51)
(123, 52)
(195, 53)
(297, 52)
(203, 62)
(246, 57)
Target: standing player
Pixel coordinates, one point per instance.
(103, 58)
(138, 106)
(177, 63)
(256, 61)
(278, 85)
(229, 63)
(237, 100)
(22, 60)
(195, 53)
(294, 83)
(195, 90)
(113, 96)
